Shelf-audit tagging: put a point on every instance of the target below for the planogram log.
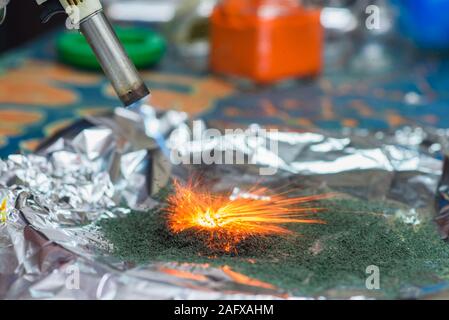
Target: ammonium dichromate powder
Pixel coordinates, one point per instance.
(316, 259)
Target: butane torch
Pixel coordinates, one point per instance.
(94, 25)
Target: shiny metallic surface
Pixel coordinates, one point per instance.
(113, 59)
(55, 197)
(2, 14)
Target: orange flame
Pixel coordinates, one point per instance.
(228, 220)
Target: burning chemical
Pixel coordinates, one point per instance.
(228, 220)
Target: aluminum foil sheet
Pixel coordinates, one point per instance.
(106, 165)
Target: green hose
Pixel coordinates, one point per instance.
(145, 48)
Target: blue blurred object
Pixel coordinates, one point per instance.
(426, 22)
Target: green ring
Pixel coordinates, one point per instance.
(145, 48)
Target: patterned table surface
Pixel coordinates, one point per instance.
(372, 86)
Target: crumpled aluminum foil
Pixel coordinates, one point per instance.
(106, 165)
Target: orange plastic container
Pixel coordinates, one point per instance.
(266, 40)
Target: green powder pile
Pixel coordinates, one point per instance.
(317, 260)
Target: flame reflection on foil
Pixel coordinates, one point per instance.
(228, 220)
(3, 213)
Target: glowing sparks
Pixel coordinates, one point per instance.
(3, 213)
(228, 220)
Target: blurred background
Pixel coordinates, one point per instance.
(294, 65)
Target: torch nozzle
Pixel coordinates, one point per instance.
(113, 59)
